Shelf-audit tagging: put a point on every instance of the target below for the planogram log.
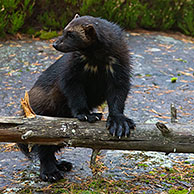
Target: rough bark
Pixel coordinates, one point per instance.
(70, 132)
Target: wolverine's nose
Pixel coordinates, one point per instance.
(55, 44)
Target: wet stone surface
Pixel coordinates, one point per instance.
(156, 60)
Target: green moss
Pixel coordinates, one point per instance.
(60, 190)
(174, 79)
(180, 59)
(145, 165)
(47, 35)
(152, 172)
(178, 191)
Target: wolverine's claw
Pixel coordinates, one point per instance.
(120, 126)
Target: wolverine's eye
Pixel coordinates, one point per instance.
(70, 34)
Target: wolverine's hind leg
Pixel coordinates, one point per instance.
(50, 168)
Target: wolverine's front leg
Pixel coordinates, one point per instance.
(117, 123)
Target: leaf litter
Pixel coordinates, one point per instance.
(150, 97)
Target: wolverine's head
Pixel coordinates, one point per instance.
(78, 35)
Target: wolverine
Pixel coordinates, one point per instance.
(95, 68)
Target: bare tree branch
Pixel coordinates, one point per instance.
(70, 132)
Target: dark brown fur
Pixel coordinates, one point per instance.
(95, 68)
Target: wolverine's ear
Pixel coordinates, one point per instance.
(90, 32)
(76, 16)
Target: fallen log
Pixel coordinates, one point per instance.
(167, 138)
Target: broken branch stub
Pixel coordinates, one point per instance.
(173, 112)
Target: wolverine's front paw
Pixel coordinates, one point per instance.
(91, 117)
(119, 125)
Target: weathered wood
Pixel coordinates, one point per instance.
(70, 132)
